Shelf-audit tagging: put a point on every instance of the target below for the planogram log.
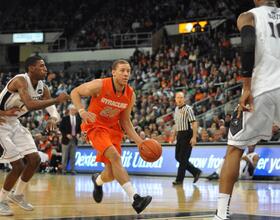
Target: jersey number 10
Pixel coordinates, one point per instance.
(272, 26)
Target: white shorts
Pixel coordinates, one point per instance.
(15, 142)
(257, 125)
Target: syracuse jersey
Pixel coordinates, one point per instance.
(107, 107)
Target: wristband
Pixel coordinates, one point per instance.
(81, 111)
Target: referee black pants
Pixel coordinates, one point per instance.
(182, 154)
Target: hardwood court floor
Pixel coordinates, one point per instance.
(70, 197)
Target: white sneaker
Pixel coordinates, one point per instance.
(5, 209)
(19, 200)
(219, 218)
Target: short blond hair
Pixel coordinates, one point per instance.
(117, 62)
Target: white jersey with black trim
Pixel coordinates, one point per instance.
(10, 99)
(266, 74)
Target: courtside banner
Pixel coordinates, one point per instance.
(206, 157)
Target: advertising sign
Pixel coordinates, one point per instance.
(206, 157)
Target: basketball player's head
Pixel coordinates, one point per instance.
(36, 67)
(265, 2)
(121, 71)
(180, 98)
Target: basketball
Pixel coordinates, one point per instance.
(150, 150)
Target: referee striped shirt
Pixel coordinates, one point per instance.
(183, 117)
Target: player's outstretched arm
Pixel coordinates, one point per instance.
(54, 115)
(127, 125)
(20, 85)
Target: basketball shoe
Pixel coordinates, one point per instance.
(140, 203)
(97, 193)
(5, 209)
(19, 200)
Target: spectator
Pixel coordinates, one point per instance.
(70, 128)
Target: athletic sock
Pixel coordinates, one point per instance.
(20, 187)
(99, 181)
(223, 203)
(128, 188)
(3, 194)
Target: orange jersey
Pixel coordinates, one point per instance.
(107, 106)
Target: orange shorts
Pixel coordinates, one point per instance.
(102, 138)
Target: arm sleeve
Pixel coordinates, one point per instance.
(53, 112)
(248, 43)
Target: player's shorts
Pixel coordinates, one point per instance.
(254, 126)
(15, 142)
(102, 138)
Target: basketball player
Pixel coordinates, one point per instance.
(259, 104)
(108, 113)
(248, 164)
(27, 92)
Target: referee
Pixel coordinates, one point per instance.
(186, 132)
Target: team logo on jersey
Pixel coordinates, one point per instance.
(40, 91)
(114, 103)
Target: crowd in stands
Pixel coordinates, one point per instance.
(205, 67)
(50, 15)
(192, 67)
(93, 23)
(150, 15)
(156, 78)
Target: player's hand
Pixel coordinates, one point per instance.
(51, 124)
(11, 112)
(69, 136)
(2, 120)
(84, 137)
(63, 97)
(138, 142)
(193, 141)
(246, 102)
(87, 117)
